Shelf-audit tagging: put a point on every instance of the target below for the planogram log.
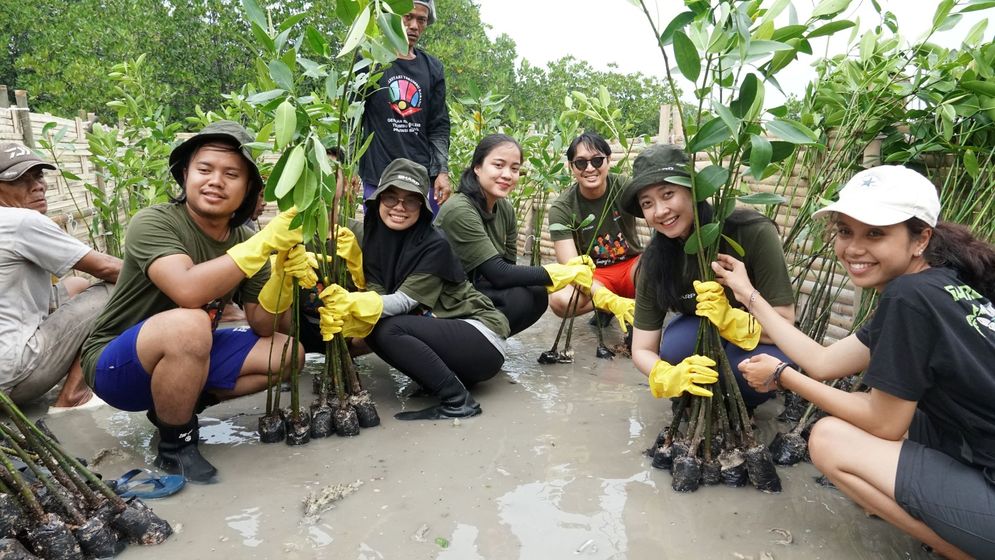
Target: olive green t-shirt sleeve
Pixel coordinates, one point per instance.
(560, 212)
(648, 315)
(466, 233)
(423, 288)
(765, 263)
(151, 236)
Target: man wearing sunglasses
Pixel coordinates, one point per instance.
(596, 192)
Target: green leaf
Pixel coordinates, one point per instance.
(788, 32)
(292, 21)
(708, 181)
(270, 192)
(977, 86)
(829, 8)
(356, 32)
(401, 7)
(747, 95)
(760, 153)
(281, 74)
(74, 177)
(347, 10)
(970, 164)
(679, 22)
(255, 14)
(976, 34)
(781, 150)
(830, 28)
(711, 133)
(726, 115)
(709, 234)
(285, 124)
(978, 5)
(764, 48)
(559, 227)
(762, 199)
(688, 61)
(941, 13)
(264, 97)
(391, 27)
(291, 172)
(443, 543)
(736, 247)
(320, 156)
(331, 86)
(315, 41)
(587, 221)
(792, 131)
(679, 180)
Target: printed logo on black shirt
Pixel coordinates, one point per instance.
(405, 95)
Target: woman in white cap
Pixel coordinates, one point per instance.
(918, 450)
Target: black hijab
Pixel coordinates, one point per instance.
(390, 257)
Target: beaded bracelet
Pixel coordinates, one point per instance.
(749, 303)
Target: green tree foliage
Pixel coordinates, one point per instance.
(541, 92)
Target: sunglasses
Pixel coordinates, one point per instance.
(409, 203)
(581, 164)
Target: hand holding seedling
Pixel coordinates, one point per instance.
(251, 254)
(357, 311)
(731, 272)
(757, 371)
(563, 275)
(735, 325)
(622, 308)
(347, 247)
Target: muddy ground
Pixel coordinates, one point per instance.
(553, 469)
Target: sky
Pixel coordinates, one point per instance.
(603, 32)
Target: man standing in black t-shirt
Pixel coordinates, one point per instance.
(407, 114)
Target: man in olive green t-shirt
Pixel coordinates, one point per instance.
(156, 347)
(614, 244)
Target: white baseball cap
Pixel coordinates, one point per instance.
(887, 195)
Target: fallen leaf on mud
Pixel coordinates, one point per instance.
(443, 543)
(420, 533)
(316, 503)
(784, 533)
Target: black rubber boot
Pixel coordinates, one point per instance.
(456, 403)
(178, 453)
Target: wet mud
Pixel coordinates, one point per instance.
(556, 467)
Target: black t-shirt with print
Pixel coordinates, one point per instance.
(408, 117)
(932, 340)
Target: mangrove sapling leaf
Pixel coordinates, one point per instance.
(291, 172)
(558, 227)
(709, 233)
(710, 134)
(829, 8)
(357, 30)
(831, 28)
(284, 124)
(762, 199)
(760, 154)
(392, 29)
(727, 116)
(281, 74)
(736, 247)
(708, 181)
(686, 54)
(792, 131)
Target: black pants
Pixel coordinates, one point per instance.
(431, 350)
(522, 305)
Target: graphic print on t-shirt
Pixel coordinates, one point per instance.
(405, 95)
(609, 249)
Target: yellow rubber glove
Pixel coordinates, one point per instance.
(251, 254)
(347, 248)
(563, 275)
(735, 325)
(358, 311)
(622, 307)
(329, 323)
(584, 260)
(671, 381)
(278, 292)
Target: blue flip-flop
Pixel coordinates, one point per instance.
(149, 486)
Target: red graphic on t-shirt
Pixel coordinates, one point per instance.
(405, 96)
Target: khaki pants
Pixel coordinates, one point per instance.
(56, 343)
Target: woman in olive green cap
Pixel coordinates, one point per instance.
(420, 314)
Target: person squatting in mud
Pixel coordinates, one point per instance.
(156, 346)
(596, 192)
(670, 282)
(918, 450)
(481, 226)
(420, 313)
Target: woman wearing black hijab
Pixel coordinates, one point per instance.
(420, 315)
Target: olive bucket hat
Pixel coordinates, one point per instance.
(227, 132)
(406, 175)
(653, 166)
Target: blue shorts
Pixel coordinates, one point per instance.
(122, 382)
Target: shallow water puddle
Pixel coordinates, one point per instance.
(246, 524)
(463, 545)
(535, 515)
(215, 431)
